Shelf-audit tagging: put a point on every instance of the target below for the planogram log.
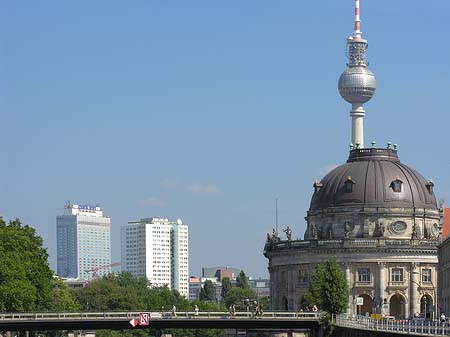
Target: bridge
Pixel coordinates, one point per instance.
(157, 320)
(373, 327)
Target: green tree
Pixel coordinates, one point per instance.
(328, 288)
(62, 298)
(114, 292)
(236, 296)
(242, 280)
(264, 302)
(208, 293)
(226, 287)
(25, 276)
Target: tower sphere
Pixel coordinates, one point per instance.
(357, 85)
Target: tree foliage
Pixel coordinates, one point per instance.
(236, 296)
(242, 280)
(208, 293)
(62, 298)
(126, 292)
(25, 276)
(328, 288)
(264, 302)
(226, 287)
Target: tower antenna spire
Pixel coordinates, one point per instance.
(357, 83)
(357, 30)
(276, 215)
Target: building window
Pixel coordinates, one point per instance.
(284, 277)
(303, 277)
(364, 275)
(426, 275)
(396, 185)
(348, 185)
(397, 275)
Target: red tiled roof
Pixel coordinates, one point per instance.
(446, 226)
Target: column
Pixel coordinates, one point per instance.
(414, 289)
(350, 286)
(273, 283)
(380, 291)
(290, 289)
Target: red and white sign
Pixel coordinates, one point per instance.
(143, 318)
(134, 322)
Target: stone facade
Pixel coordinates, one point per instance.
(444, 276)
(388, 253)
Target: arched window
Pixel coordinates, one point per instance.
(396, 185)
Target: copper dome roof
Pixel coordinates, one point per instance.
(373, 178)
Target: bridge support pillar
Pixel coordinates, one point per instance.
(316, 332)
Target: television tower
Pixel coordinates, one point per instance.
(357, 83)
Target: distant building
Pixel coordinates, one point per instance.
(83, 240)
(261, 287)
(75, 283)
(157, 249)
(197, 283)
(220, 272)
(446, 224)
(216, 276)
(444, 276)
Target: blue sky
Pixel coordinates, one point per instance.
(207, 110)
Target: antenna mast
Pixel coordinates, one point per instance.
(276, 215)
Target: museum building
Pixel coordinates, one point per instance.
(377, 216)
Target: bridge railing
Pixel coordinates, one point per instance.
(407, 327)
(157, 315)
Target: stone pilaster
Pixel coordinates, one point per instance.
(290, 289)
(380, 289)
(414, 289)
(348, 277)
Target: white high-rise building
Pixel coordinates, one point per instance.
(159, 250)
(83, 238)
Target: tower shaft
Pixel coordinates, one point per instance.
(357, 115)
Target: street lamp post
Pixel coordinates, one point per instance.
(425, 306)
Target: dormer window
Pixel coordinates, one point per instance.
(430, 186)
(348, 185)
(396, 185)
(317, 186)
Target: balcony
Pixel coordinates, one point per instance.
(350, 243)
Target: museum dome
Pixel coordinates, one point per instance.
(373, 177)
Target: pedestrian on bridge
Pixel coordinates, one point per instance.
(258, 311)
(232, 310)
(196, 311)
(174, 311)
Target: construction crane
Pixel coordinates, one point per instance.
(96, 268)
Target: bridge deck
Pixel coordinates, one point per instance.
(393, 327)
(158, 320)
